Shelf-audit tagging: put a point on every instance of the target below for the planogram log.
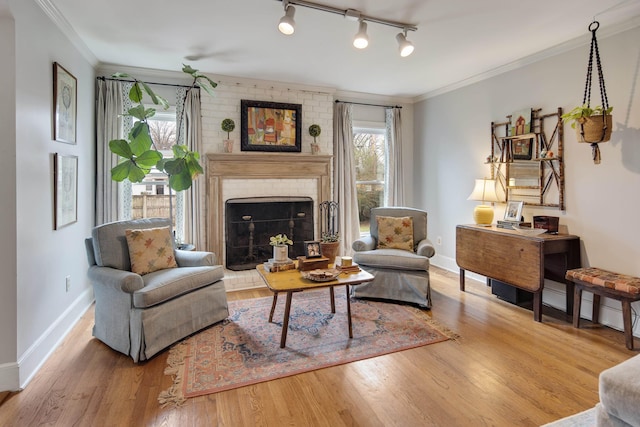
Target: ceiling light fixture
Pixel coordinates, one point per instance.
(404, 46)
(361, 40)
(287, 25)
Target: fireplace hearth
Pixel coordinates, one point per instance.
(250, 222)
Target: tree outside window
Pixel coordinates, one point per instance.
(370, 160)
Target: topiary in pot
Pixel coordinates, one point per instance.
(228, 125)
(315, 131)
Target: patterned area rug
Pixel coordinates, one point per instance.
(245, 348)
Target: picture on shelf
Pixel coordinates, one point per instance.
(513, 211)
(522, 149)
(520, 122)
(312, 249)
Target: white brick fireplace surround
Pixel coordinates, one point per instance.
(258, 175)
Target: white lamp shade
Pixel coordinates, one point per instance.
(361, 40)
(484, 190)
(404, 46)
(287, 25)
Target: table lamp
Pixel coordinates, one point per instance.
(485, 191)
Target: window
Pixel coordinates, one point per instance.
(150, 198)
(370, 159)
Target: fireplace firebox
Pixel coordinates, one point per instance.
(250, 222)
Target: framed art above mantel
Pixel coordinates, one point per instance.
(270, 126)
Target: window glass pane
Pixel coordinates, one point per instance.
(151, 196)
(369, 157)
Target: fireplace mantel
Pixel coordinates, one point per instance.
(221, 166)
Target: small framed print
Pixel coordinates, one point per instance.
(513, 211)
(65, 189)
(65, 100)
(312, 249)
(522, 149)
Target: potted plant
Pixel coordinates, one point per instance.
(138, 152)
(228, 125)
(315, 131)
(280, 248)
(329, 230)
(593, 125)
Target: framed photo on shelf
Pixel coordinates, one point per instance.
(65, 99)
(520, 122)
(312, 249)
(65, 190)
(522, 149)
(270, 126)
(513, 211)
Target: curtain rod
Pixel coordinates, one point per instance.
(149, 83)
(370, 105)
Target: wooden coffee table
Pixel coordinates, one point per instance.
(291, 281)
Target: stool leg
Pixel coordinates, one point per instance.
(595, 310)
(626, 318)
(577, 302)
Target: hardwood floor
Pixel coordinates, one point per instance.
(504, 370)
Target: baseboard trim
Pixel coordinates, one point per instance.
(554, 295)
(9, 377)
(36, 355)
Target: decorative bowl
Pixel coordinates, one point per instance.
(528, 231)
(321, 275)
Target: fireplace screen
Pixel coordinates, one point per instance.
(250, 222)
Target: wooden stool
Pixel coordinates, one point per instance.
(621, 287)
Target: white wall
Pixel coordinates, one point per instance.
(453, 138)
(44, 311)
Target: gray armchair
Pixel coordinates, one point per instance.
(400, 275)
(141, 315)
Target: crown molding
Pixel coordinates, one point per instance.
(536, 57)
(63, 25)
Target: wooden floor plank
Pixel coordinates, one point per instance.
(503, 370)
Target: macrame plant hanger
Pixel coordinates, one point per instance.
(586, 100)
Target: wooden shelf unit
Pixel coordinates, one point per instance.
(538, 181)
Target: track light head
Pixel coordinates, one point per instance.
(361, 40)
(404, 46)
(287, 25)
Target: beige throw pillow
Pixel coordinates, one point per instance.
(395, 232)
(150, 250)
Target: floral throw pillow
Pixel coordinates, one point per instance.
(150, 249)
(395, 232)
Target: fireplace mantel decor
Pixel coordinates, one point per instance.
(270, 126)
(258, 166)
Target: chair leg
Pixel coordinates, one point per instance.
(577, 302)
(626, 318)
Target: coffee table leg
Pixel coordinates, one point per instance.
(349, 312)
(285, 321)
(333, 300)
(273, 306)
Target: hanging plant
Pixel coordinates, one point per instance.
(315, 131)
(228, 125)
(592, 125)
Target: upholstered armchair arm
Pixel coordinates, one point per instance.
(195, 258)
(120, 280)
(425, 248)
(366, 243)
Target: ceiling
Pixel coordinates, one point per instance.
(456, 40)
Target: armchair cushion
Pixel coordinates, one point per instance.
(150, 249)
(397, 259)
(395, 232)
(163, 285)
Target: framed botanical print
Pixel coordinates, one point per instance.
(65, 98)
(65, 189)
